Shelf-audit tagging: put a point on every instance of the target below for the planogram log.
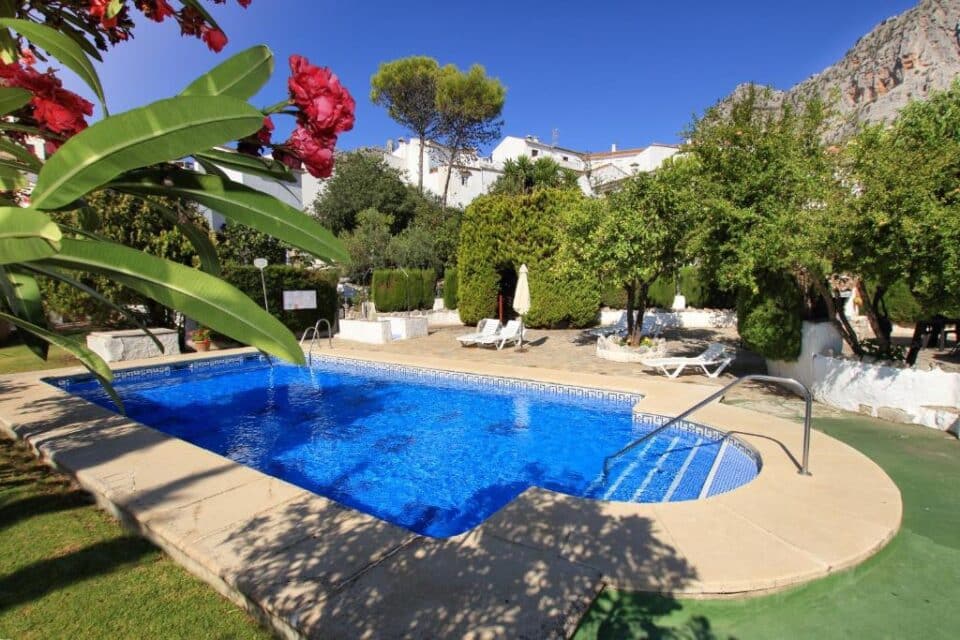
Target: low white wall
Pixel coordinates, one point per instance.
(436, 318)
(686, 319)
(406, 328)
(368, 331)
(132, 344)
(899, 394)
(930, 398)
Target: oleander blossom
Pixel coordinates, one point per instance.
(192, 22)
(54, 108)
(324, 109)
(325, 105)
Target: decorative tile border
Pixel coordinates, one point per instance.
(486, 381)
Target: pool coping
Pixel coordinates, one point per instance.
(302, 563)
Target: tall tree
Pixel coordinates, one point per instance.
(523, 176)
(901, 224)
(770, 203)
(364, 181)
(408, 89)
(469, 105)
(635, 235)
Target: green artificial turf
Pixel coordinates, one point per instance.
(68, 570)
(911, 589)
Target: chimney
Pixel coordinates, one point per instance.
(613, 147)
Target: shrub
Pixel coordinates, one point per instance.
(902, 307)
(450, 297)
(504, 231)
(662, 292)
(613, 297)
(696, 288)
(280, 278)
(402, 290)
(770, 322)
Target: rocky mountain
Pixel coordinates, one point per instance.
(902, 59)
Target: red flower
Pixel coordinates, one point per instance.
(54, 108)
(214, 38)
(27, 57)
(99, 9)
(156, 10)
(326, 107)
(315, 152)
(244, 3)
(263, 136)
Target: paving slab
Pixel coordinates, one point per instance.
(475, 586)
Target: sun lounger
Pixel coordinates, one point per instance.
(716, 355)
(485, 328)
(509, 334)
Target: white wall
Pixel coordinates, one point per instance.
(929, 398)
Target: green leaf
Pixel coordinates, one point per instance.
(26, 234)
(199, 238)
(240, 76)
(93, 293)
(12, 98)
(208, 300)
(162, 131)
(87, 358)
(21, 154)
(22, 294)
(61, 47)
(263, 167)
(11, 177)
(240, 203)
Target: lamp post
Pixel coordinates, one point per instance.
(261, 263)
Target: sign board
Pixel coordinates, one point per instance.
(294, 300)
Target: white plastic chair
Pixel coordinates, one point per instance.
(509, 334)
(486, 328)
(716, 355)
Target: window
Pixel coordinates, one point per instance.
(565, 158)
(535, 153)
(464, 179)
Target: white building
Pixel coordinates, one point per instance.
(473, 175)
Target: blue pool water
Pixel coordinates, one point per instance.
(435, 453)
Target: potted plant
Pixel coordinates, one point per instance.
(201, 338)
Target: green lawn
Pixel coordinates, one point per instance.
(911, 589)
(68, 570)
(15, 358)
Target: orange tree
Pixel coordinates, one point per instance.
(52, 161)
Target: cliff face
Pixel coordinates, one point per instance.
(903, 58)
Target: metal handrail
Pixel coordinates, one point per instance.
(314, 332)
(796, 385)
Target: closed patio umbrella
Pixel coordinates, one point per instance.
(521, 299)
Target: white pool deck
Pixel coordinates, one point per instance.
(310, 567)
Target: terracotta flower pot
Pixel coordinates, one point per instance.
(202, 346)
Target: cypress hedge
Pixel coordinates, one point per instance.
(694, 285)
(403, 290)
(280, 278)
(450, 294)
(504, 231)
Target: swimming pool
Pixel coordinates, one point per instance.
(432, 451)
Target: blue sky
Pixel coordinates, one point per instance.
(601, 72)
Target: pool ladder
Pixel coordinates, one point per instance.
(314, 333)
(796, 385)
